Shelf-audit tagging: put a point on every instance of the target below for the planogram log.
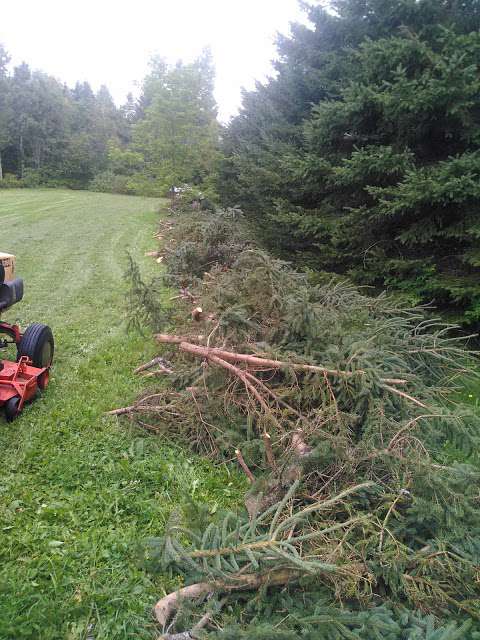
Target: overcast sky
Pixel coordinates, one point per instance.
(110, 41)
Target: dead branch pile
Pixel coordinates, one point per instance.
(336, 406)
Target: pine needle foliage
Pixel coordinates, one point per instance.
(206, 242)
(361, 155)
(342, 433)
(329, 623)
(144, 300)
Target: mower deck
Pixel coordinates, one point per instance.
(21, 380)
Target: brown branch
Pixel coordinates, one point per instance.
(148, 365)
(166, 607)
(184, 294)
(161, 371)
(239, 373)
(163, 337)
(405, 395)
(256, 361)
(191, 634)
(244, 466)
(123, 411)
(207, 352)
(267, 390)
(141, 406)
(267, 440)
(171, 339)
(394, 381)
(148, 427)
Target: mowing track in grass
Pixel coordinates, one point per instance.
(77, 490)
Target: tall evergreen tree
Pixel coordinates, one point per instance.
(362, 155)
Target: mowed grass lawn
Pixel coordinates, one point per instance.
(79, 491)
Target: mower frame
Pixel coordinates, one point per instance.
(18, 379)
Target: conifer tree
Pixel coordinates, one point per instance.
(361, 156)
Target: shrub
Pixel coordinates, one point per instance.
(142, 184)
(11, 181)
(109, 182)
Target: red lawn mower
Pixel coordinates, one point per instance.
(21, 381)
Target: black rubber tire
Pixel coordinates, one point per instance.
(37, 343)
(43, 380)
(11, 408)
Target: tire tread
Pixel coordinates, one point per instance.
(29, 343)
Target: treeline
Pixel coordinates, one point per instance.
(54, 135)
(362, 155)
(50, 133)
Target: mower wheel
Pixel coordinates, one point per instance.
(11, 408)
(37, 343)
(43, 380)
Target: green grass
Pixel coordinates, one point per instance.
(78, 490)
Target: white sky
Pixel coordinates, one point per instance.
(110, 41)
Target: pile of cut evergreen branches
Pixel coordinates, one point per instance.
(338, 407)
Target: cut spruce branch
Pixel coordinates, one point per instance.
(257, 361)
(152, 363)
(193, 633)
(402, 394)
(144, 405)
(319, 390)
(161, 371)
(222, 358)
(243, 464)
(167, 606)
(275, 547)
(172, 339)
(254, 361)
(123, 411)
